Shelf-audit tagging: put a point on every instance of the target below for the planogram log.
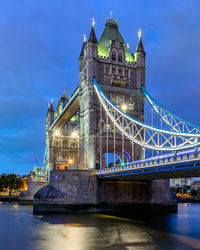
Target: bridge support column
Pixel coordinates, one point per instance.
(80, 190)
(126, 195)
(161, 194)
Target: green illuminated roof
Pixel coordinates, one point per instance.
(111, 33)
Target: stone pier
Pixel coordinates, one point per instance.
(81, 191)
(26, 197)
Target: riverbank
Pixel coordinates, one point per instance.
(189, 200)
(14, 198)
(9, 198)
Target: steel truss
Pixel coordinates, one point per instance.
(174, 122)
(142, 134)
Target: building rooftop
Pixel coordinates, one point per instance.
(111, 33)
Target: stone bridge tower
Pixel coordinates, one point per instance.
(120, 74)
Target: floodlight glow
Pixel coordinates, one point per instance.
(74, 134)
(124, 107)
(70, 161)
(57, 133)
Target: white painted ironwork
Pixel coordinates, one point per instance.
(174, 122)
(145, 135)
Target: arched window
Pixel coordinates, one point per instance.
(120, 57)
(114, 56)
(107, 70)
(113, 70)
(126, 73)
(119, 71)
(65, 144)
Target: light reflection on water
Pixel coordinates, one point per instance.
(19, 227)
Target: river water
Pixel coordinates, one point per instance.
(21, 230)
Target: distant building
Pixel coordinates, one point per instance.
(180, 182)
(195, 185)
(38, 174)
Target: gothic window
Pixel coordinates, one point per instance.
(126, 73)
(130, 106)
(118, 100)
(107, 70)
(106, 127)
(114, 70)
(119, 71)
(114, 56)
(65, 144)
(73, 145)
(57, 144)
(120, 57)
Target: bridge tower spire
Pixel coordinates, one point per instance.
(88, 67)
(120, 74)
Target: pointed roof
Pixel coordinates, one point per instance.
(140, 47)
(82, 50)
(50, 107)
(83, 46)
(63, 99)
(92, 37)
(111, 33)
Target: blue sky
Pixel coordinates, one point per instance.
(40, 42)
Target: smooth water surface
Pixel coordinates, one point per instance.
(20, 229)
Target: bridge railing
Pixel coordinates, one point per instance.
(155, 161)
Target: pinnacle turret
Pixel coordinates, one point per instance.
(50, 115)
(83, 46)
(92, 37)
(50, 107)
(140, 47)
(63, 99)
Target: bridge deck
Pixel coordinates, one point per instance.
(69, 110)
(175, 166)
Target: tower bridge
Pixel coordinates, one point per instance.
(105, 115)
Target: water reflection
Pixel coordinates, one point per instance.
(19, 227)
(92, 232)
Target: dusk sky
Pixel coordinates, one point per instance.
(40, 42)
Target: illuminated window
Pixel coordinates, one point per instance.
(130, 106)
(119, 57)
(120, 71)
(106, 127)
(113, 56)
